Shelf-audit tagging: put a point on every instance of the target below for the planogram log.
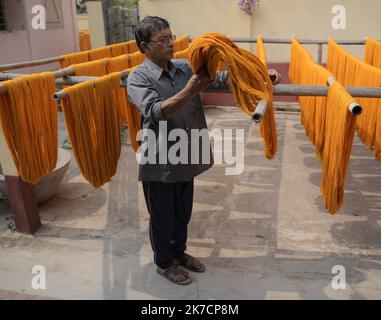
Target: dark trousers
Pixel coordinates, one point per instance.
(170, 208)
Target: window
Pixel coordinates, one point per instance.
(54, 14)
(12, 17)
(2, 17)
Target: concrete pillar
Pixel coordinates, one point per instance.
(22, 195)
(96, 23)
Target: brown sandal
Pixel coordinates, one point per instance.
(172, 272)
(191, 263)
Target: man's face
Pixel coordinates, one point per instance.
(161, 45)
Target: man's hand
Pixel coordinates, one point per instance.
(275, 76)
(199, 82)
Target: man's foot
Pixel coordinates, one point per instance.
(175, 274)
(191, 263)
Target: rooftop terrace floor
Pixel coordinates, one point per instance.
(263, 234)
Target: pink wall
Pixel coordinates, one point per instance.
(39, 44)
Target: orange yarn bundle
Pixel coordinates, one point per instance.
(133, 117)
(352, 71)
(181, 44)
(132, 46)
(84, 40)
(129, 114)
(120, 63)
(92, 118)
(96, 68)
(261, 54)
(328, 123)
(248, 77)
(119, 49)
(183, 54)
(136, 59)
(373, 52)
(340, 129)
(303, 70)
(100, 53)
(74, 58)
(28, 117)
(261, 51)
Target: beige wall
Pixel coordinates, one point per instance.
(309, 19)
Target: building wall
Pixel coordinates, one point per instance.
(30, 44)
(308, 19)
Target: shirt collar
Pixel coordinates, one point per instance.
(157, 70)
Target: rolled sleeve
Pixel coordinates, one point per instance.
(157, 112)
(145, 97)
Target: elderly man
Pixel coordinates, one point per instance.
(167, 92)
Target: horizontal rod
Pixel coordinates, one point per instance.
(63, 77)
(322, 91)
(280, 89)
(260, 111)
(60, 95)
(41, 62)
(9, 76)
(353, 107)
(27, 64)
(301, 41)
(57, 74)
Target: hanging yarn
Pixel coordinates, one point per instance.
(248, 77)
(369, 50)
(100, 53)
(340, 129)
(373, 52)
(129, 114)
(305, 71)
(183, 54)
(91, 112)
(132, 46)
(74, 58)
(132, 116)
(181, 44)
(28, 118)
(119, 49)
(352, 71)
(116, 64)
(328, 123)
(96, 68)
(111, 51)
(269, 134)
(185, 40)
(136, 59)
(261, 51)
(84, 40)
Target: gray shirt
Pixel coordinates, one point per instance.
(148, 86)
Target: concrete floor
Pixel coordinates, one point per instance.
(263, 234)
